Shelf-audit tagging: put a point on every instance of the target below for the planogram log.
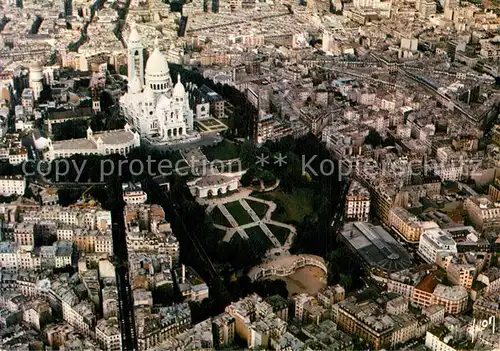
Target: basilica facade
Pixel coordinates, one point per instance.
(158, 110)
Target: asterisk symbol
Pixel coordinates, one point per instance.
(262, 160)
(280, 159)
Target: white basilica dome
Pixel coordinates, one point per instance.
(157, 64)
(158, 73)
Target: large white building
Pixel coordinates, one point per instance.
(357, 203)
(12, 185)
(133, 194)
(158, 110)
(434, 242)
(120, 141)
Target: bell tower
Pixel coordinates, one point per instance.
(135, 57)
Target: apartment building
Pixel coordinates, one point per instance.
(330, 295)
(83, 217)
(434, 242)
(37, 313)
(461, 274)
(487, 306)
(133, 194)
(255, 321)
(81, 316)
(435, 342)
(491, 278)
(357, 203)
(494, 189)
(157, 325)
(17, 156)
(12, 185)
(377, 327)
(453, 298)
(24, 235)
(429, 292)
(300, 301)
(205, 94)
(108, 334)
(279, 306)
(263, 330)
(408, 226)
(14, 257)
(223, 327)
(191, 286)
(483, 211)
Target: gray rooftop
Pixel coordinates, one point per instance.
(377, 247)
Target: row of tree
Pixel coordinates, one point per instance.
(242, 121)
(77, 128)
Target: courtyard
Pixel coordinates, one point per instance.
(210, 125)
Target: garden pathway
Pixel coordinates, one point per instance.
(236, 228)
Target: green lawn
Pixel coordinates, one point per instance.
(291, 208)
(236, 238)
(219, 218)
(257, 235)
(200, 127)
(222, 151)
(239, 213)
(220, 233)
(210, 123)
(281, 233)
(259, 208)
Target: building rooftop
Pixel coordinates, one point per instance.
(450, 292)
(428, 284)
(356, 189)
(439, 239)
(115, 137)
(74, 144)
(377, 247)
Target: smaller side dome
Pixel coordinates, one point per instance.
(148, 93)
(179, 90)
(135, 86)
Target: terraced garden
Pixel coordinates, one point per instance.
(281, 233)
(257, 235)
(259, 208)
(219, 218)
(239, 213)
(221, 233)
(262, 233)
